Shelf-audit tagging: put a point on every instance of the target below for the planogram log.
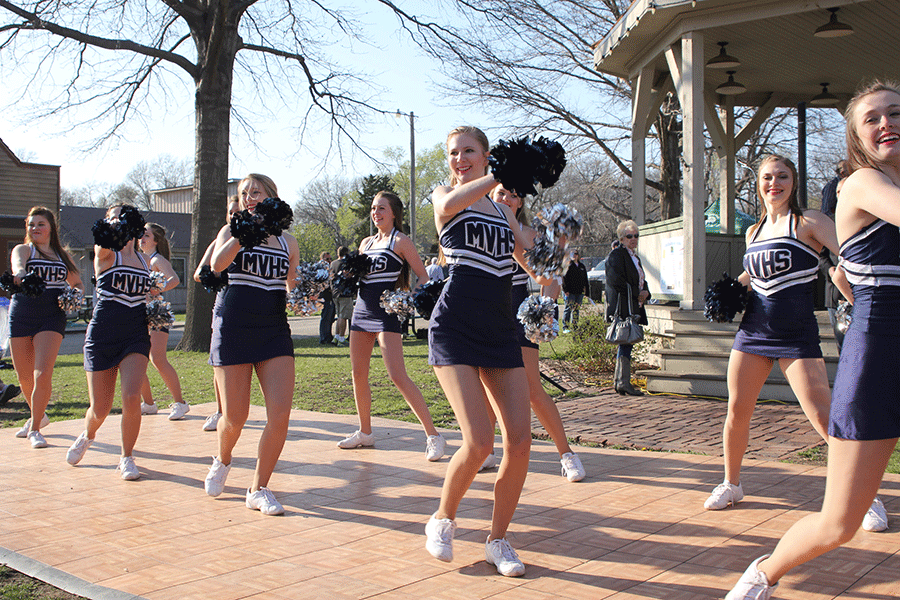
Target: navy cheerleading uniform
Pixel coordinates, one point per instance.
(779, 321)
(519, 292)
(29, 316)
(119, 324)
(866, 399)
(250, 323)
(473, 322)
(368, 315)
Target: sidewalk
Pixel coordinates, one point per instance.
(635, 528)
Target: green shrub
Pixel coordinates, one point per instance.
(589, 349)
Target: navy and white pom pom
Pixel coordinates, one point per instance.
(8, 283)
(276, 215)
(132, 222)
(70, 299)
(212, 281)
(313, 276)
(32, 285)
(538, 315)
(398, 302)
(521, 164)
(547, 258)
(354, 266)
(248, 229)
(157, 280)
(300, 302)
(724, 299)
(426, 297)
(111, 235)
(560, 220)
(159, 314)
(843, 316)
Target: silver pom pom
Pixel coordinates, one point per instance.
(159, 314)
(300, 302)
(538, 315)
(843, 316)
(70, 299)
(561, 221)
(157, 281)
(398, 302)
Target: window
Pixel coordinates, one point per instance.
(178, 265)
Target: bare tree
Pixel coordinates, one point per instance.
(164, 171)
(115, 60)
(325, 201)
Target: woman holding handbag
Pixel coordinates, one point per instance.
(626, 293)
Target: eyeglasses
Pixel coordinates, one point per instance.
(630, 236)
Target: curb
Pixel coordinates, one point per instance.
(61, 579)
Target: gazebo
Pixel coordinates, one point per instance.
(718, 54)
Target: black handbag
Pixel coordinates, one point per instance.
(624, 330)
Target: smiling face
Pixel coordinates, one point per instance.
(252, 193)
(381, 213)
(876, 121)
(233, 208)
(501, 195)
(37, 229)
(466, 157)
(776, 182)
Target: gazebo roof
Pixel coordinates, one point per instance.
(773, 39)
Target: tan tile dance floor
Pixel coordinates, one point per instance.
(635, 528)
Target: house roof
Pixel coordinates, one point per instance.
(75, 224)
(773, 39)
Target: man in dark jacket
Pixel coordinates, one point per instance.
(575, 282)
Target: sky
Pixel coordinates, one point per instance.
(405, 73)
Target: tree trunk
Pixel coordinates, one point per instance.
(668, 126)
(217, 48)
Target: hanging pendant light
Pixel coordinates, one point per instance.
(833, 28)
(723, 60)
(731, 87)
(824, 99)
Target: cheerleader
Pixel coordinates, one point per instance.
(392, 254)
(864, 423)
(474, 347)
(251, 333)
(117, 342)
(155, 246)
(234, 206)
(541, 403)
(37, 325)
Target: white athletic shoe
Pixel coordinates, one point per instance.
(753, 585)
(356, 440)
(572, 469)
(724, 494)
(264, 501)
(434, 447)
(215, 479)
(78, 448)
(439, 538)
(500, 554)
(23, 431)
(178, 410)
(212, 421)
(128, 469)
(876, 517)
(37, 440)
(149, 409)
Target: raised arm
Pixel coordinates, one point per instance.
(207, 258)
(227, 247)
(448, 201)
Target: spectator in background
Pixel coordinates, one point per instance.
(8, 392)
(575, 283)
(434, 270)
(343, 305)
(327, 319)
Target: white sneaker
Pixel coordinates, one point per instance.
(212, 421)
(490, 462)
(876, 517)
(78, 448)
(38, 441)
(753, 585)
(500, 554)
(572, 469)
(128, 469)
(264, 501)
(356, 440)
(215, 479)
(434, 447)
(149, 409)
(179, 409)
(23, 432)
(439, 538)
(724, 494)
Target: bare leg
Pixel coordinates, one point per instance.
(361, 344)
(158, 347)
(809, 381)
(132, 372)
(467, 398)
(234, 384)
(542, 404)
(101, 389)
(46, 349)
(22, 349)
(392, 353)
(147, 391)
(746, 375)
(276, 378)
(507, 390)
(855, 470)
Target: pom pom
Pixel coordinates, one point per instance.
(299, 303)
(109, 235)
(843, 316)
(538, 315)
(426, 296)
(132, 222)
(157, 280)
(346, 280)
(312, 279)
(8, 283)
(70, 299)
(212, 281)
(32, 285)
(560, 221)
(276, 215)
(398, 302)
(547, 258)
(248, 229)
(521, 164)
(159, 314)
(724, 299)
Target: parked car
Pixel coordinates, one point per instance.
(597, 281)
